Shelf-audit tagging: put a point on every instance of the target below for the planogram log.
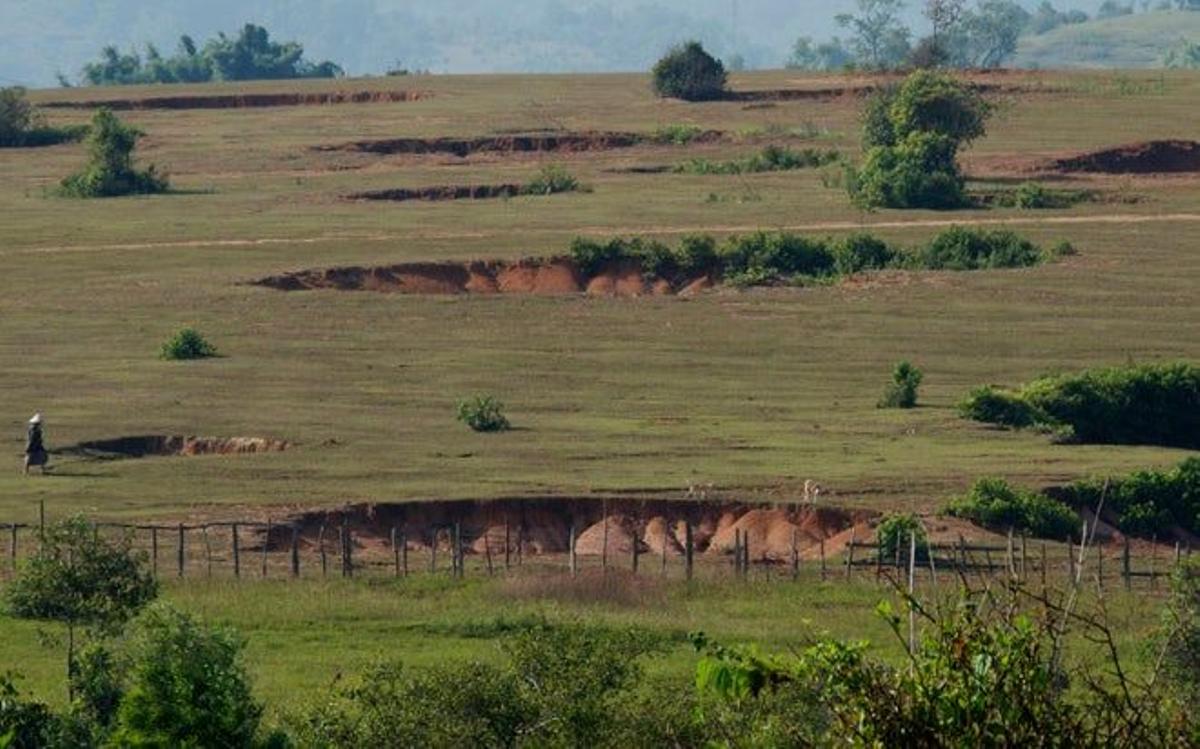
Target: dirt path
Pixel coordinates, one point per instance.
(1128, 218)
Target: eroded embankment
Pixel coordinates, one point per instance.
(544, 526)
(240, 101)
(1150, 157)
(149, 445)
(546, 277)
(572, 142)
(441, 192)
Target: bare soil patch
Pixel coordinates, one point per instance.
(175, 445)
(612, 527)
(1151, 157)
(241, 101)
(564, 142)
(531, 276)
(440, 193)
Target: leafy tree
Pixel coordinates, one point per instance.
(80, 579)
(24, 724)
(1183, 54)
(901, 392)
(688, 72)
(110, 171)
(826, 56)
(186, 686)
(879, 38)
(894, 535)
(17, 116)
(991, 33)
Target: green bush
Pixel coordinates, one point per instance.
(688, 72)
(1149, 404)
(676, 135)
(959, 248)
(655, 258)
(185, 345)
(894, 532)
(770, 159)
(778, 253)
(697, 254)
(110, 171)
(483, 413)
(855, 253)
(25, 724)
(551, 179)
(1148, 502)
(23, 126)
(901, 392)
(993, 503)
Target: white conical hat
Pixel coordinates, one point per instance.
(37, 419)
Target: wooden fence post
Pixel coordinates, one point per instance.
(912, 585)
(850, 556)
(1100, 567)
(237, 554)
(395, 554)
(181, 550)
(1024, 572)
(1045, 562)
(487, 550)
(1012, 555)
(154, 549)
(1125, 566)
(433, 535)
(266, 545)
(295, 551)
(521, 545)
(795, 556)
(635, 550)
(41, 517)
(507, 545)
(207, 551)
(1070, 562)
(571, 561)
(663, 567)
(321, 549)
(746, 554)
(1154, 562)
(460, 558)
(12, 548)
(689, 550)
(349, 551)
(604, 541)
(404, 553)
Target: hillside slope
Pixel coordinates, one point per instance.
(1134, 41)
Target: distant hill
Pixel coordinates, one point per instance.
(1134, 41)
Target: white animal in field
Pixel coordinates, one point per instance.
(812, 490)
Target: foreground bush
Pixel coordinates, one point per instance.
(187, 344)
(994, 504)
(894, 533)
(1149, 404)
(483, 413)
(688, 72)
(110, 171)
(1146, 503)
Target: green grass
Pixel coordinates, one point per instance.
(1134, 41)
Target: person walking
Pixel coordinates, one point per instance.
(35, 445)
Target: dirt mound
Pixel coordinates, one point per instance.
(441, 192)
(1152, 157)
(531, 276)
(240, 101)
(166, 444)
(543, 525)
(541, 142)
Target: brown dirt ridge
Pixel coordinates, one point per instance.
(1150, 157)
(564, 142)
(531, 276)
(601, 526)
(440, 193)
(150, 445)
(243, 101)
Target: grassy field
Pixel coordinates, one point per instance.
(1133, 41)
(751, 391)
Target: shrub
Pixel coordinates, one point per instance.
(186, 686)
(22, 125)
(24, 724)
(1179, 634)
(902, 391)
(697, 254)
(688, 72)
(653, 257)
(1154, 404)
(110, 170)
(185, 345)
(1148, 502)
(959, 248)
(993, 503)
(676, 135)
(859, 252)
(770, 159)
(778, 253)
(550, 180)
(483, 413)
(894, 532)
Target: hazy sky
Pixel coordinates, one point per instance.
(42, 37)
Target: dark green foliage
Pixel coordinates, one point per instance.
(1148, 404)
(777, 253)
(1180, 637)
(688, 72)
(994, 504)
(861, 252)
(22, 126)
(251, 55)
(1035, 196)
(655, 258)
(551, 179)
(23, 724)
(697, 253)
(770, 159)
(959, 248)
(186, 345)
(894, 532)
(912, 135)
(186, 686)
(1146, 503)
(675, 135)
(483, 413)
(901, 392)
(561, 685)
(110, 171)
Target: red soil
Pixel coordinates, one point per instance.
(1152, 157)
(528, 143)
(239, 101)
(441, 192)
(161, 444)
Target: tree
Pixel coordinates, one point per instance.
(253, 56)
(880, 40)
(901, 392)
(1183, 54)
(830, 55)
(688, 72)
(110, 171)
(80, 579)
(992, 32)
(943, 16)
(17, 116)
